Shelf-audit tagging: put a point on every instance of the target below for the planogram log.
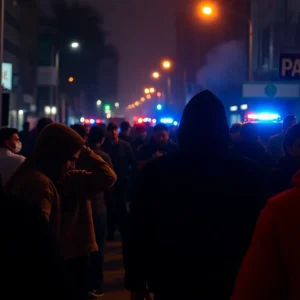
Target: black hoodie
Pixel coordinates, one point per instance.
(193, 212)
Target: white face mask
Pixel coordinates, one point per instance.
(18, 147)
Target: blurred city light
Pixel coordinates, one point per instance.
(117, 104)
(99, 102)
(143, 99)
(75, 45)
(166, 64)
(152, 90)
(148, 97)
(207, 10)
(147, 91)
(155, 75)
(159, 107)
(71, 79)
(158, 94)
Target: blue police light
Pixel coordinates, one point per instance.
(264, 117)
(159, 107)
(166, 120)
(92, 121)
(175, 123)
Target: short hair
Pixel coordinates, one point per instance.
(79, 129)
(42, 123)
(125, 126)
(235, 128)
(249, 132)
(291, 136)
(111, 126)
(6, 134)
(288, 121)
(97, 133)
(160, 127)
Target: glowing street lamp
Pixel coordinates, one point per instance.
(99, 102)
(152, 90)
(74, 45)
(147, 91)
(117, 104)
(166, 64)
(207, 10)
(142, 99)
(71, 79)
(155, 75)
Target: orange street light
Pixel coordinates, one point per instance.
(71, 79)
(147, 91)
(137, 103)
(142, 99)
(152, 90)
(155, 75)
(207, 10)
(148, 97)
(158, 94)
(166, 64)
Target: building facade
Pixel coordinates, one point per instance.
(276, 27)
(19, 59)
(276, 30)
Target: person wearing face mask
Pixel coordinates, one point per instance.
(10, 145)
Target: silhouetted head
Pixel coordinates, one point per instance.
(203, 127)
(288, 122)
(291, 143)
(249, 132)
(57, 148)
(42, 123)
(125, 128)
(10, 140)
(112, 132)
(96, 136)
(140, 132)
(161, 134)
(80, 130)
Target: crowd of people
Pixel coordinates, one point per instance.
(186, 205)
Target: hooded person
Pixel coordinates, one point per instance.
(32, 217)
(270, 270)
(49, 183)
(187, 235)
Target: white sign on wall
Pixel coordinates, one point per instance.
(7, 75)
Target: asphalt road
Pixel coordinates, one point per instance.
(114, 273)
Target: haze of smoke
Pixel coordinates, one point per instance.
(225, 66)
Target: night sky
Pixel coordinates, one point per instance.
(144, 32)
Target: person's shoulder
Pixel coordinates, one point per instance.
(16, 157)
(285, 204)
(124, 144)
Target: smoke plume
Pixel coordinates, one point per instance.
(225, 65)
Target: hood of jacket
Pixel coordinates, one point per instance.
(203, 127)
(56, 144)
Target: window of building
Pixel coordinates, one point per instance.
(266, 39)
